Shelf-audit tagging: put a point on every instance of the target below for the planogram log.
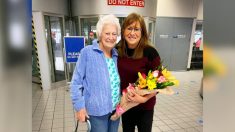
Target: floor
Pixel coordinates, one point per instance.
(181, 112)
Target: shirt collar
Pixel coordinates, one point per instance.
(96, 46)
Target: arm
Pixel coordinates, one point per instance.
(76, 87)
(133, 96)
(154, 59)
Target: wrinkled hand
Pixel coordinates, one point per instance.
(134, 97)
(82, 115)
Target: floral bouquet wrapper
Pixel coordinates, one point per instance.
(157, 81)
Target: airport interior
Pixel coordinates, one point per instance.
(175, 29)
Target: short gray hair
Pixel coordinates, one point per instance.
(107, 19)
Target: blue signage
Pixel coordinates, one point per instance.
(73, 46)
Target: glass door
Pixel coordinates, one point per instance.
(197, 52)
(54, 36)
(151, 31)
(71, 28)
(88, 29)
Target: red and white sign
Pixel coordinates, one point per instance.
(138, 3)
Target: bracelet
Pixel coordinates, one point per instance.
(119, 110)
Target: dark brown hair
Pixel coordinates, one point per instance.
(143, 43)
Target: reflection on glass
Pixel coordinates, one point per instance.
(88, 29)
(70, 28)
(151, 31)
(54, 33)
(197, 52)
(198, 36)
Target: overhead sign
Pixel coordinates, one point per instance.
(73, 46)
(138, 3)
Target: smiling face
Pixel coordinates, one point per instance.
(132, 34)
(108, 36)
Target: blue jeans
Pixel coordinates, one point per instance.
(103, 123)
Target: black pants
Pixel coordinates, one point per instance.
(143, 119)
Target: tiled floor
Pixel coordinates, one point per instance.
(181, 112)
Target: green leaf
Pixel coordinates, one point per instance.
(164, 85)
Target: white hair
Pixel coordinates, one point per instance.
(105, 20)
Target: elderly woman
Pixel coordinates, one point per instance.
(95, 86)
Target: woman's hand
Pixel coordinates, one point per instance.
(134, 97)
(82, 115)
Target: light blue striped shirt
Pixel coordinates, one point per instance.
(90, 85)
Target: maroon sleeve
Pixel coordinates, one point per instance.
(154, 59)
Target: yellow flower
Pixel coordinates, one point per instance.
(150, 75)
(142, 81)
(166, 73)
(176, 82)
(140, 76)
(151, 84)
(171, 78)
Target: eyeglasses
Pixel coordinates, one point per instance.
(130, 29)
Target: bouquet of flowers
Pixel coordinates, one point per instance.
(157, 81)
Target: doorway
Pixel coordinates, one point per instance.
(197, 52)
(54, 35)
(151, 31)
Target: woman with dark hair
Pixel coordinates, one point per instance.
(136, 55)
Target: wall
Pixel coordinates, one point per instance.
(42, 50)
(96, 7)
(200, 10)
(39, 7)
(182, 9)
(191, 44)
(177, 8)
(51, 6)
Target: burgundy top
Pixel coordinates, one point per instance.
(128, 69)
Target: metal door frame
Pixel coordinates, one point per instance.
(63, 29)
